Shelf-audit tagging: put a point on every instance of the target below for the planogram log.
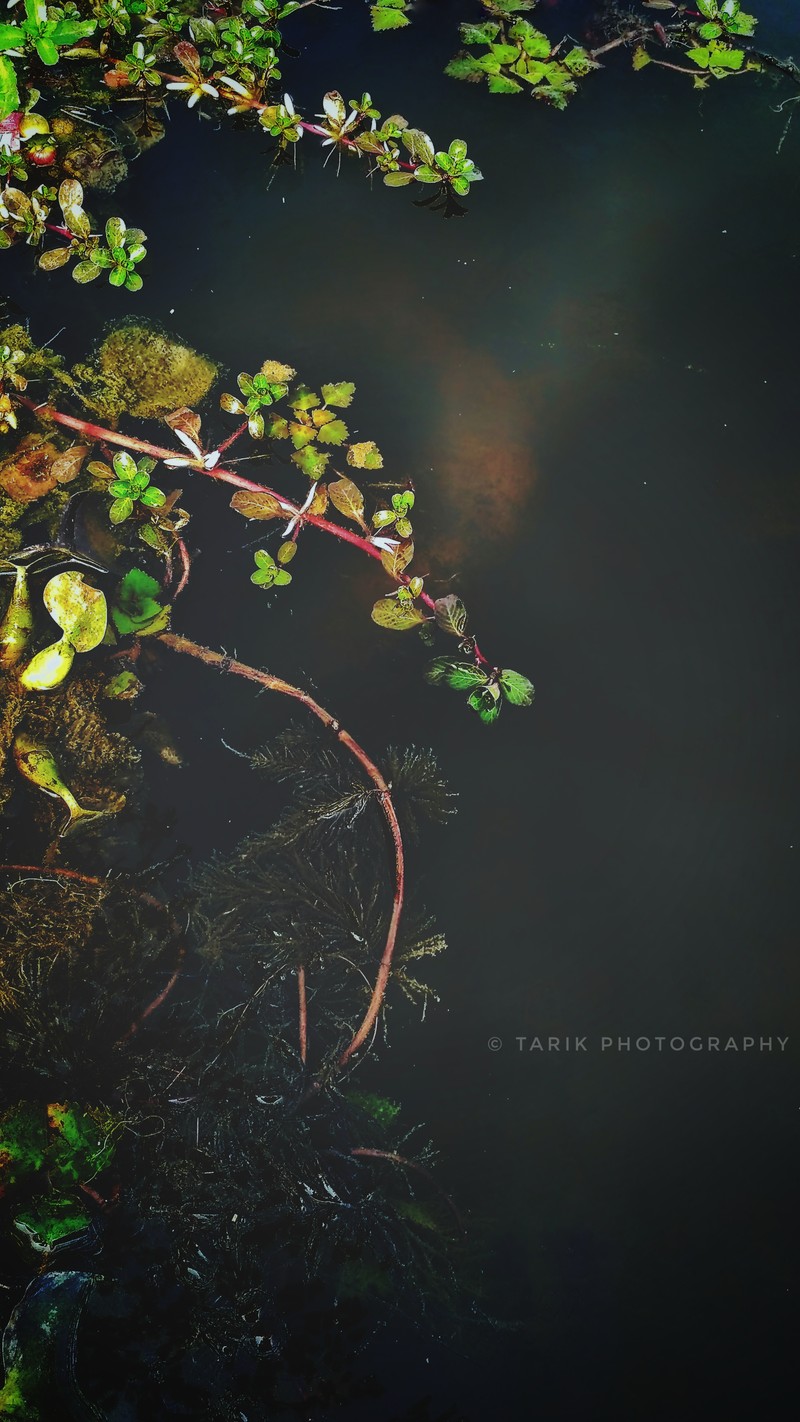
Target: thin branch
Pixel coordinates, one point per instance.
(395, 1159)
(273, 683)
(302, 1013)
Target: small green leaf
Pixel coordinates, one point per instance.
(120, 510)
(340, 394)
(335, 432)
(311, 461)
(365, 455)
(461, 676)
(486, 701)
(516, 688)
(9, 93)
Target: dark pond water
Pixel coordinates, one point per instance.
(591, 379)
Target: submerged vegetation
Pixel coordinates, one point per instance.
(265, 1183)
(181, 1140)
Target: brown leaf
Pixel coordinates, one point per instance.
(186, 421)
(27, 473)
(396, 560)
(348, 499)
(252, 504)
(67, 466)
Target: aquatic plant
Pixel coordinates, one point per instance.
(273, 406)
(230, 61)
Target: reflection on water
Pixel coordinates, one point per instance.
(589, 379)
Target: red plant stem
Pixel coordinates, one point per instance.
(227, 476)
(274, 683)
(226, 443)
(186, 567)
(390, 1155)
(157, 1001)
(60, 231)
(93, 882)
(302, 1012)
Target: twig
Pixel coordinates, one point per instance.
(273, 683)
(302, 1012)
(390, 1155)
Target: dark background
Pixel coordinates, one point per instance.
(591, 379)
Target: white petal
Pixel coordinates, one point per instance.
(180, 84)
(193, 100)
(233, 84)
(211, 460)
(287, 103)
(190, 443)
(389, 544)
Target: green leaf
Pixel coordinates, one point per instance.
(9, 93)
(398, 180)
(710, 31)
(136, 608)
(152, 498)
(426, 174)
(365, 455)
(480, 34)
(335, 432)
(68, 32)
(451, 615)
(500, 84)
(46, 50)
(534, 43)
(386, 18)
(311, 461)
(464, 66)
(340, 394)
(78, 609)
(124, 465)
(85, 272)
(396, 616)
(516, 688)
(418, 144)
(461, 676)
(23, 1140)
(50, 1220)
(486, 701)
(120, 510)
